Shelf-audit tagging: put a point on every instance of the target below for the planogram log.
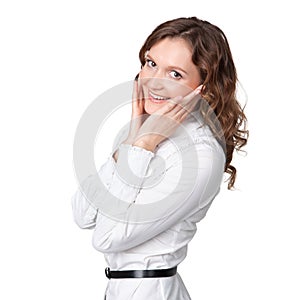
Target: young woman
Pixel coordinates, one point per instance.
(185, 125)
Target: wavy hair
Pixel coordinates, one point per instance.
(212, 55)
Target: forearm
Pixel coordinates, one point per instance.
(83, 200)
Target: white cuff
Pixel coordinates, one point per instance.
(132, 164)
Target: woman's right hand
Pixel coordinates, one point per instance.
(138, 113)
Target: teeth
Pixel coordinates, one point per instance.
(158, 97)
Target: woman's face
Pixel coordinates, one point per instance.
(167, 73)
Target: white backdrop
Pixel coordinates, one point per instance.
(57, 57)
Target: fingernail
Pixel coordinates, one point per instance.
(198, 90)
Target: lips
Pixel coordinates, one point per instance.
(157, 98)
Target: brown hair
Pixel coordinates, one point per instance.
(212, 55)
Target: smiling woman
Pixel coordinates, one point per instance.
(185, 125)
(168, 59)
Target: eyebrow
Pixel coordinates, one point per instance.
(171, 67)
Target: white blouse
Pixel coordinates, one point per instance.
(145, 218)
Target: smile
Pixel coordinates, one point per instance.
(157, 98)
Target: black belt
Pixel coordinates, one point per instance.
(140, 273)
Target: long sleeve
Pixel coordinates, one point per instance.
(84, 211)
(83, 203)
(141, 207)
(97, 188)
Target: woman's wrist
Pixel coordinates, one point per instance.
(142, 143)
(146, 144)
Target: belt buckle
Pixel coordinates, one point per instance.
(107, 273)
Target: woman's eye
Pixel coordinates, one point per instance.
(175, 75)
(150, 63)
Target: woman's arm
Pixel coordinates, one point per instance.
(84, 211)
(153, 209)
(84, 201)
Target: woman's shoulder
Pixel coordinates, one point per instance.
(193, 132)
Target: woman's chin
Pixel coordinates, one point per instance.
(151, 107)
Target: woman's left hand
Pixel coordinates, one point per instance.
(165, 120)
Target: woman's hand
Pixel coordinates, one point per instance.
(138, 115)
(160, 125)
(147, 131)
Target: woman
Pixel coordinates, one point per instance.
(185, 125)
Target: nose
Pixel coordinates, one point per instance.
(156, 82)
